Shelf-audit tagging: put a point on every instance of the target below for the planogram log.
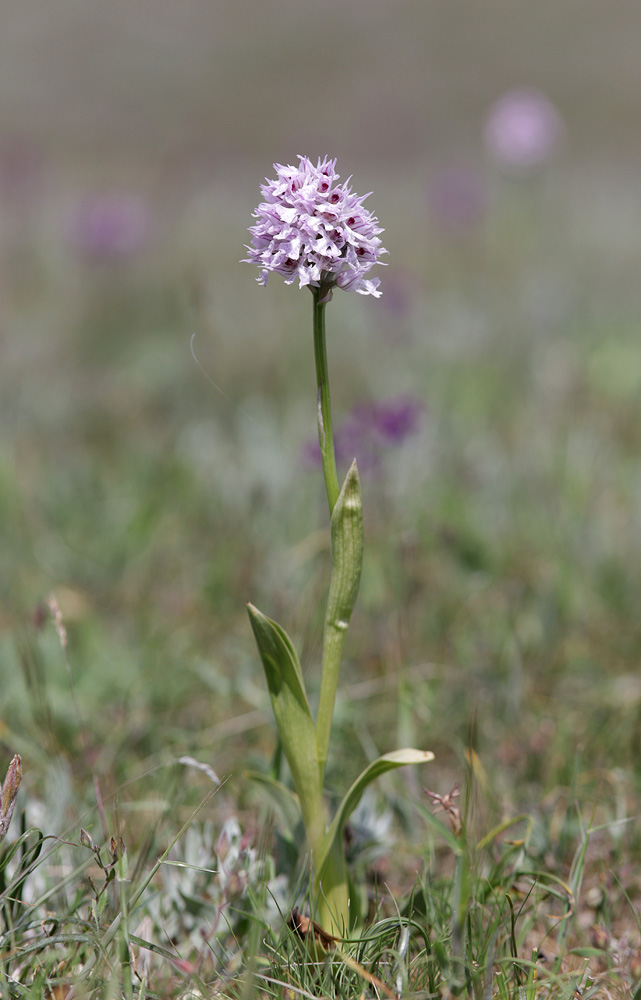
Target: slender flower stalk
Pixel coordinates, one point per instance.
(315, 230)
(325, 430)
(345, 577)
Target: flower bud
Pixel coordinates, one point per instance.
(9, 793)
(86, 841)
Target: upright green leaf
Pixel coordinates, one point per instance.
(347, 560)
(347, 552)
(293, 716)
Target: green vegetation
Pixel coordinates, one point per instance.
(497, 624)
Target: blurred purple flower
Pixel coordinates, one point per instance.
(400, 292)
(315, 230)
(368, 430)
(110, 226)
(457, 198)
(522, 129)
(395, 419)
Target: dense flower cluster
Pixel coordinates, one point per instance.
(315, 230)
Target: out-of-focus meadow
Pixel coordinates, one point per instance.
(499, 601)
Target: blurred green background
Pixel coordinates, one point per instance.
(500, 590)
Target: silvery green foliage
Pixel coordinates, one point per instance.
(311, 228)
(204, 882)
(370, 827)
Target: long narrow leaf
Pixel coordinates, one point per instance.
(292, 713)
(441, 828)
(388, 762)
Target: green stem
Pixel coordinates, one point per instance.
(346, 563)
(125, 953)
(331, 893)
(333, 645)
(325, 433)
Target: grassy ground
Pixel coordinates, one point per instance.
(497, 622)
(497, 625)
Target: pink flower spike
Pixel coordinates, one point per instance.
(312, 229)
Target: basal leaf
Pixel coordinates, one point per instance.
(291, 710)
(388, 762)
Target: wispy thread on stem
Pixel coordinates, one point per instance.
(216, 386)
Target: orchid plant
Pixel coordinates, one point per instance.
(313, 229)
